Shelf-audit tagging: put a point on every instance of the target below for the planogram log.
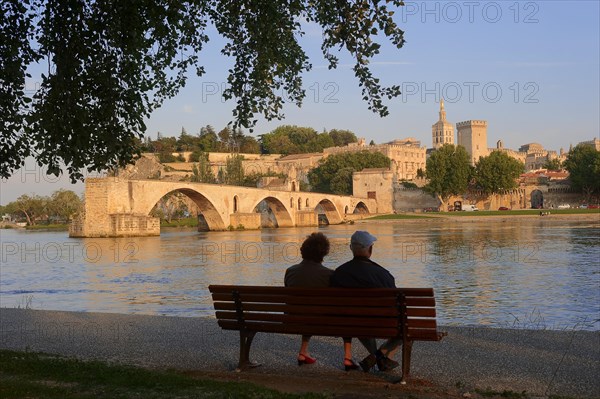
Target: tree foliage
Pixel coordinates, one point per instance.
(202, 173)
(498, 172)
(227, 140)
(583, 164)
(111, 63)
(64, 204)
(287, 139)
(342, 137)
(448, 171)
(334, 174)
(234, 172)
(61, 206)
(552, 164)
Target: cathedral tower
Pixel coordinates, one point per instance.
(442, 131)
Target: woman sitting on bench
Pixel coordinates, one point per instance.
(310, 273)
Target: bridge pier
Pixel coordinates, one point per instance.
(116, 225)
(306, 218)
(248, 221)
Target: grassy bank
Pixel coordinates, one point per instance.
(488, 213)
(399, 216)
(33, 375)
(187, 222)
(48, 227)
(575, 211)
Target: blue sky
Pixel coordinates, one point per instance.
(530, 68)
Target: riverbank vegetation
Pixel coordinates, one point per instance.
(50, 226)
(183, 222)
(46, 211)
(34, 375)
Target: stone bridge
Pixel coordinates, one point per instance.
(120, 208)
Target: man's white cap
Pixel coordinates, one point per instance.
(363, 238)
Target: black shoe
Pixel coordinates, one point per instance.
(386, 364)
(368, 363)
(351, 366)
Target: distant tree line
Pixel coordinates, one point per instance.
(207, 140)
(289, 139)
(583, 164)
(60, 207)
(283, 140)
(450, 173)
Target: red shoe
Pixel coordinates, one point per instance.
(305, 359)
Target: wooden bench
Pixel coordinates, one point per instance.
(408, 313)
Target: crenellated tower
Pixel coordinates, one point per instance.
(473, 136)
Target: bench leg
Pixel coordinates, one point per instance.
(245, 343)
(406, 352)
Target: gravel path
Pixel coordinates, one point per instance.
(540, 362)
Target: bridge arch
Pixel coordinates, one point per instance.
(205, 207)
(279, 210)
(361, 207)
(330, 210)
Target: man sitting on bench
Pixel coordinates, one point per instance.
(362, 272)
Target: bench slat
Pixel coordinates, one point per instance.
(327, 300)
(324, 330)
(311, 310)
(343, 292)
(316, 300)
(312, 320)
(420, 312)
(419, 301)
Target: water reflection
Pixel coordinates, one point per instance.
(526, 273)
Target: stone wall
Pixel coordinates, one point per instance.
(412, 199)
(129, 225)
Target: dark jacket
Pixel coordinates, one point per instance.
(362, 272)
(307, 274)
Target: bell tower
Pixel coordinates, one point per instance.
(442, 132)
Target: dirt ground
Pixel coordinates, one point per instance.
(350, 385)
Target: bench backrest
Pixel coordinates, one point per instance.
(338, 312)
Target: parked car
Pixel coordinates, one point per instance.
(469, 208)
(593, 206)
(564, 206)
(503, 208)
(583, 206)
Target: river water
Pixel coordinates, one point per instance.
(522, 273)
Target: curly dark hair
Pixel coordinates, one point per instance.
(315, 247)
